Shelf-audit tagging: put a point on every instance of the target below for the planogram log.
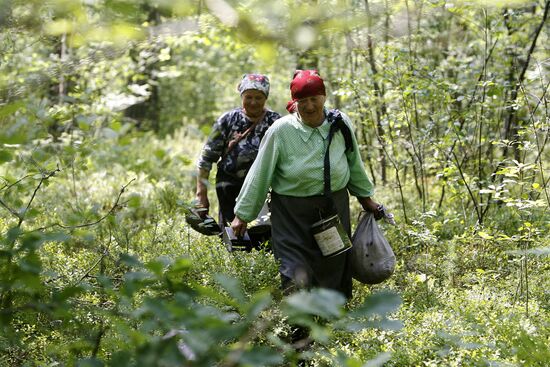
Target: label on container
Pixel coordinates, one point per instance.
(330, 242)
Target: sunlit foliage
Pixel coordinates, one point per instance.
(104, 106)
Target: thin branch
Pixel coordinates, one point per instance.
(105, 253)
(479, 217)
(540, 147)
(45, 177)
(12, 211)
(24, 47)
(89, 224)
(481, 76)
(7, 187)
(98, 338)
(472, 98)
(232, 359)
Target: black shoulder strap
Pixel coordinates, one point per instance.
(337, 123)
(231, 144)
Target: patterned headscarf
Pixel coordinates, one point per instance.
(306, 83)
(254, 81)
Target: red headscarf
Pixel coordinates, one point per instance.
(305, 83)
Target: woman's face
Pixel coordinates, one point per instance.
(253, 102)
(311, 110)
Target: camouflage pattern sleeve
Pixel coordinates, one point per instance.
(215, 144)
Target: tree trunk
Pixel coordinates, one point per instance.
(513, 124)
(380, 108)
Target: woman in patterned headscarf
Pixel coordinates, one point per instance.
(233, 145)
(291, 162)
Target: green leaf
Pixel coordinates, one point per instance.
(121, 359)
(319, 302)
(160, 153)
(60, 26)
(155, 307)
(10, 108)
(13, 137)
(105, 281)
(380, 303)
(134, 201)
(84, 235)
(56, 237)
(32, 240)
(109, 133)
(130, 261)
(90, 362)
(260, 301)
(378, 361)
(212, 294)
(181, 265)
(5, 156)
(318, 332)
(485, 236)
(385, 324)
(135, 281)
(155, 266)
(84, 125)
(115, 126)
(261, 356)
(232, 286)
(27, 281)
(31, 263)
(41, 155)
(32, 213)
(66, 293)
(13, 234)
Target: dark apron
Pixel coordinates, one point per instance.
(302, 264)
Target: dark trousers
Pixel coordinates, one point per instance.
(227, 193)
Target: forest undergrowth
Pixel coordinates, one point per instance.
(106, 267)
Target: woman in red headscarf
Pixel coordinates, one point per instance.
(310, 186)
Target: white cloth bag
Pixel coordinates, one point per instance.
(372, 258)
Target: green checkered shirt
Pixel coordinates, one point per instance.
(291, 162)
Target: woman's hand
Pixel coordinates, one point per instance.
(201, 199)
(239, 226)
(371, 206)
